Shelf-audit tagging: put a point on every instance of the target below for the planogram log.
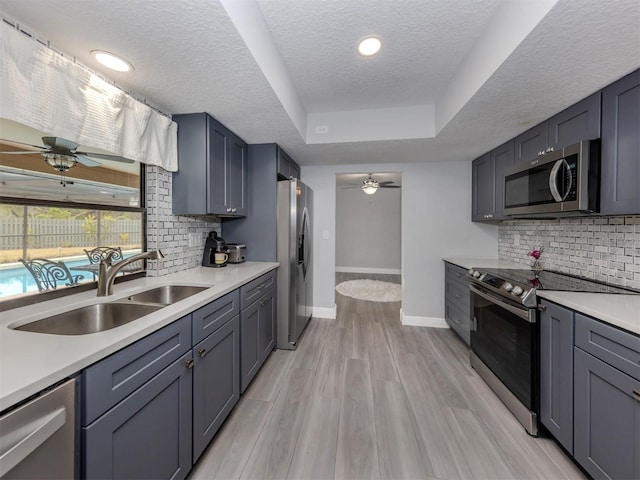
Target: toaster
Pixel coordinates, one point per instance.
(237, 252)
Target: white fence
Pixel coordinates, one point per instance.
(54, 233)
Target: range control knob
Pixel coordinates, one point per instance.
(476, 274)
(508, 287)
(517, 290)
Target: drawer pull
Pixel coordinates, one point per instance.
(636, 395)
(189, 362)
(202, 352)
(457, 295)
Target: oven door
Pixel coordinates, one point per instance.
(504, 337)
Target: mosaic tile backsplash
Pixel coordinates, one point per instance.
(170, 233)
(601, 248)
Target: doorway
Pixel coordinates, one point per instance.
(368, 235)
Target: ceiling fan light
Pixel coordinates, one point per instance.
(369, 189)
(112, 61)
(61, 163)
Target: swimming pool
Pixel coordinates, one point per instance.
(16, 280)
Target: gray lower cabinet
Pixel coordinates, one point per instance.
(590, 391)
(257, 326)
(607, 419)
(457, 301)
(137, 407)
(556, 372)
(621, 147)
(216, 382)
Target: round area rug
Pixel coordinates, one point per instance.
(371, 290)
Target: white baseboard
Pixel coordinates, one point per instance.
(388, 271)
(320, 312)
(415, 321)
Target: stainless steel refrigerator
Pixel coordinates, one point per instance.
(295, 285)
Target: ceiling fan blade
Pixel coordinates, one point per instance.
(22, 153)
(390, 186)
(40, 147)
(57, 143)
(104, 156)
(86, 161)
(387, 182)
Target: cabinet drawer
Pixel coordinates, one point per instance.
(458, 295)
(611, 345)
(459, 321)
(108, 382)
(211, 317)
(456, 273)
(253, 290)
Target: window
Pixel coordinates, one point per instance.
(62, 216)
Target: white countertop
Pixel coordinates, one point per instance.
(623, 311)
(620, 310)
(30, 362)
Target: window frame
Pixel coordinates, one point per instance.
(38, 297)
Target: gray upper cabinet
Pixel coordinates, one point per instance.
(578, 122)
(621, 147)
(556, 372)
(483, 189)
(287, 168)
(212, 162)
(531, 143)
(488, 183)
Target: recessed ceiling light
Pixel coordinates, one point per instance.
(112, 61)
(369, 46)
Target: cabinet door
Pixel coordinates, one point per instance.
(483, 189)
(294, 170)
(578, 122)
(148, 434)
(267, 325)
(621, 147)
(250, 354)
(218, 174)
(502, 158)
(529, 144)
(283, 164)
(556, 372)
(607, 419)
(237, 182)
(216, 382)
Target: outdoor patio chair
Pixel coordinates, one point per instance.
(100, 253)
(49, 274)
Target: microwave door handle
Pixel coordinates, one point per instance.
(569, 179)
(553, 180)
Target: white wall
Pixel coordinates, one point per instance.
(368, 230)
(436, 223)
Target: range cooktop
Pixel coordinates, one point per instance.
(549, 280)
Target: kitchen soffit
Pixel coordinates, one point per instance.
(269, 94)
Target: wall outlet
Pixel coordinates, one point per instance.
(194, 239)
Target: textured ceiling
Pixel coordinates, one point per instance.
(189, 57)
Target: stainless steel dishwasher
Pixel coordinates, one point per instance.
(37, 439)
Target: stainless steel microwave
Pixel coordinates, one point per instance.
(564, 182)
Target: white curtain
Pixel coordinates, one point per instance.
(46, 91)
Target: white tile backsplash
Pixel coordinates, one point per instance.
(602, 248)
(170, 233)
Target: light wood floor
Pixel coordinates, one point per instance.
(364, 397)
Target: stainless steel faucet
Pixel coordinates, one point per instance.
(107, 271)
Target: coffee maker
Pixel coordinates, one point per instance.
(216, 252)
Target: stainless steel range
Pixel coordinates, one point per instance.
(505, 335)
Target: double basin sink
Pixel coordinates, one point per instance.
(105, 316)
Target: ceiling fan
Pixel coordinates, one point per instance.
(370, 185)
(62, 154)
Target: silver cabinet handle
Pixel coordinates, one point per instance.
(234, 209)
(189, 362)
(228, 209)
(51, 423)
(636, 395)
(202, 352)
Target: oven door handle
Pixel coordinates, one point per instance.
(522, 313)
